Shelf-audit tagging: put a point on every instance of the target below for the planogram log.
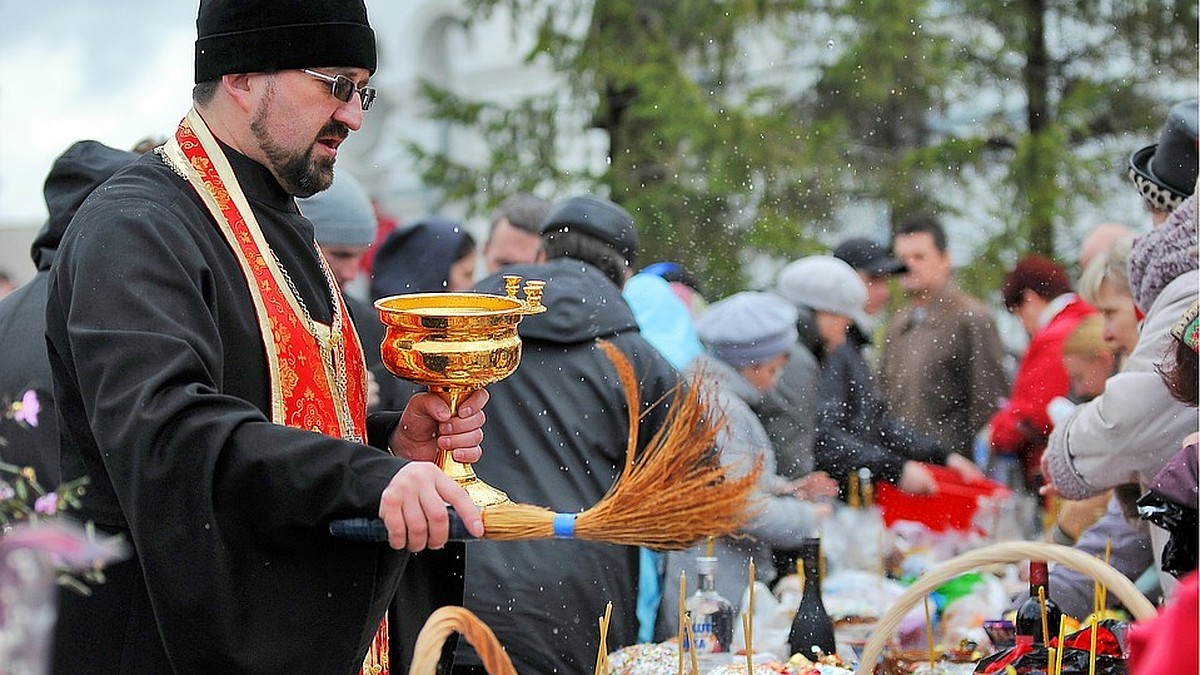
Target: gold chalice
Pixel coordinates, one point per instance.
(455, 344)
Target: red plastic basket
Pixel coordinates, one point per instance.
(952, 508)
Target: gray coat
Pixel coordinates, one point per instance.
(782, 522)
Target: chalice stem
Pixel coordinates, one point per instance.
(481, 493)
(456, 470)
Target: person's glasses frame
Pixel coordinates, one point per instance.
(343, 88)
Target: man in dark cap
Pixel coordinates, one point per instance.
(875, 266)
(211, 385)
(25, 367)
(561, 425)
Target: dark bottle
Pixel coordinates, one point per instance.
(1029, 614)
(812, 629)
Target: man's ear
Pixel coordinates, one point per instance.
(237, 87)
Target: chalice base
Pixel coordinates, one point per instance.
(481, 493)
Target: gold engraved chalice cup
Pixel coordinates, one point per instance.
(455, 344)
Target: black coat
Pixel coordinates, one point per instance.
(855, 429)
(82, 167)
(556, 436)
(163, 398)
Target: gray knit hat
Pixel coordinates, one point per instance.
(823, 283)
(748, 327)
(343, 214)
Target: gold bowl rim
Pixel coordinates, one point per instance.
(456, 300)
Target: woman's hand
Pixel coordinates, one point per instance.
(816, 486)
(916, 479)
(966, 469)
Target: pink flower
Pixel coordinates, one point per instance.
(47, 504)
(27, 410)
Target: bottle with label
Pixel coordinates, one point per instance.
(711, 615)
(1029, 614)
(811, 634)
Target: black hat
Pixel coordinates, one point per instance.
(869, 256)
(253, 36)
(1165, 173)
(599, 218)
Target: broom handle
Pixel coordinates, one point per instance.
(373, 529)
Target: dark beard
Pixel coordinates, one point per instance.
(300, 175)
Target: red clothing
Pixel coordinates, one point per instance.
(1022, 425)
(1168, 644)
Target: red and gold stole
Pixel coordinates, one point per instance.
(317, 373)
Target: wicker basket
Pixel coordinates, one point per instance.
(1007, 552)
(447, 620)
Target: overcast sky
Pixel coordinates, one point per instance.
(114, 71)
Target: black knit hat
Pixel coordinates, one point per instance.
(597, 217)
(254, 36)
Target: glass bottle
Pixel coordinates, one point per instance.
(710, 614)
(1029, 614)
(812, 629)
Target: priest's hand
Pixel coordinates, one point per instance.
(426, 427)
(413, 507)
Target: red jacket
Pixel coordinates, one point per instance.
(1022, 425)
(1167, 643)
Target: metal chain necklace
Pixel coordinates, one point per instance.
(331, 345)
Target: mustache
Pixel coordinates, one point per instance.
(334, 129)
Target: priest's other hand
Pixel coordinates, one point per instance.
(427, 426)
(413, 507)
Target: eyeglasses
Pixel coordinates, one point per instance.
(343, 88)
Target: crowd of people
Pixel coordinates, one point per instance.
(201, 330)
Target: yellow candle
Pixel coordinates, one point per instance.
(1062, 635)
(749, 627)
(929, 633)
(692, 641)
(1045, 626)
(682, 617)
(1092, 650)
(746, 633)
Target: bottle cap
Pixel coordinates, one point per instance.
(810, 548)
(706, 564)
(1039, 574)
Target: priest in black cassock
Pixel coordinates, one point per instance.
(211, 385)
